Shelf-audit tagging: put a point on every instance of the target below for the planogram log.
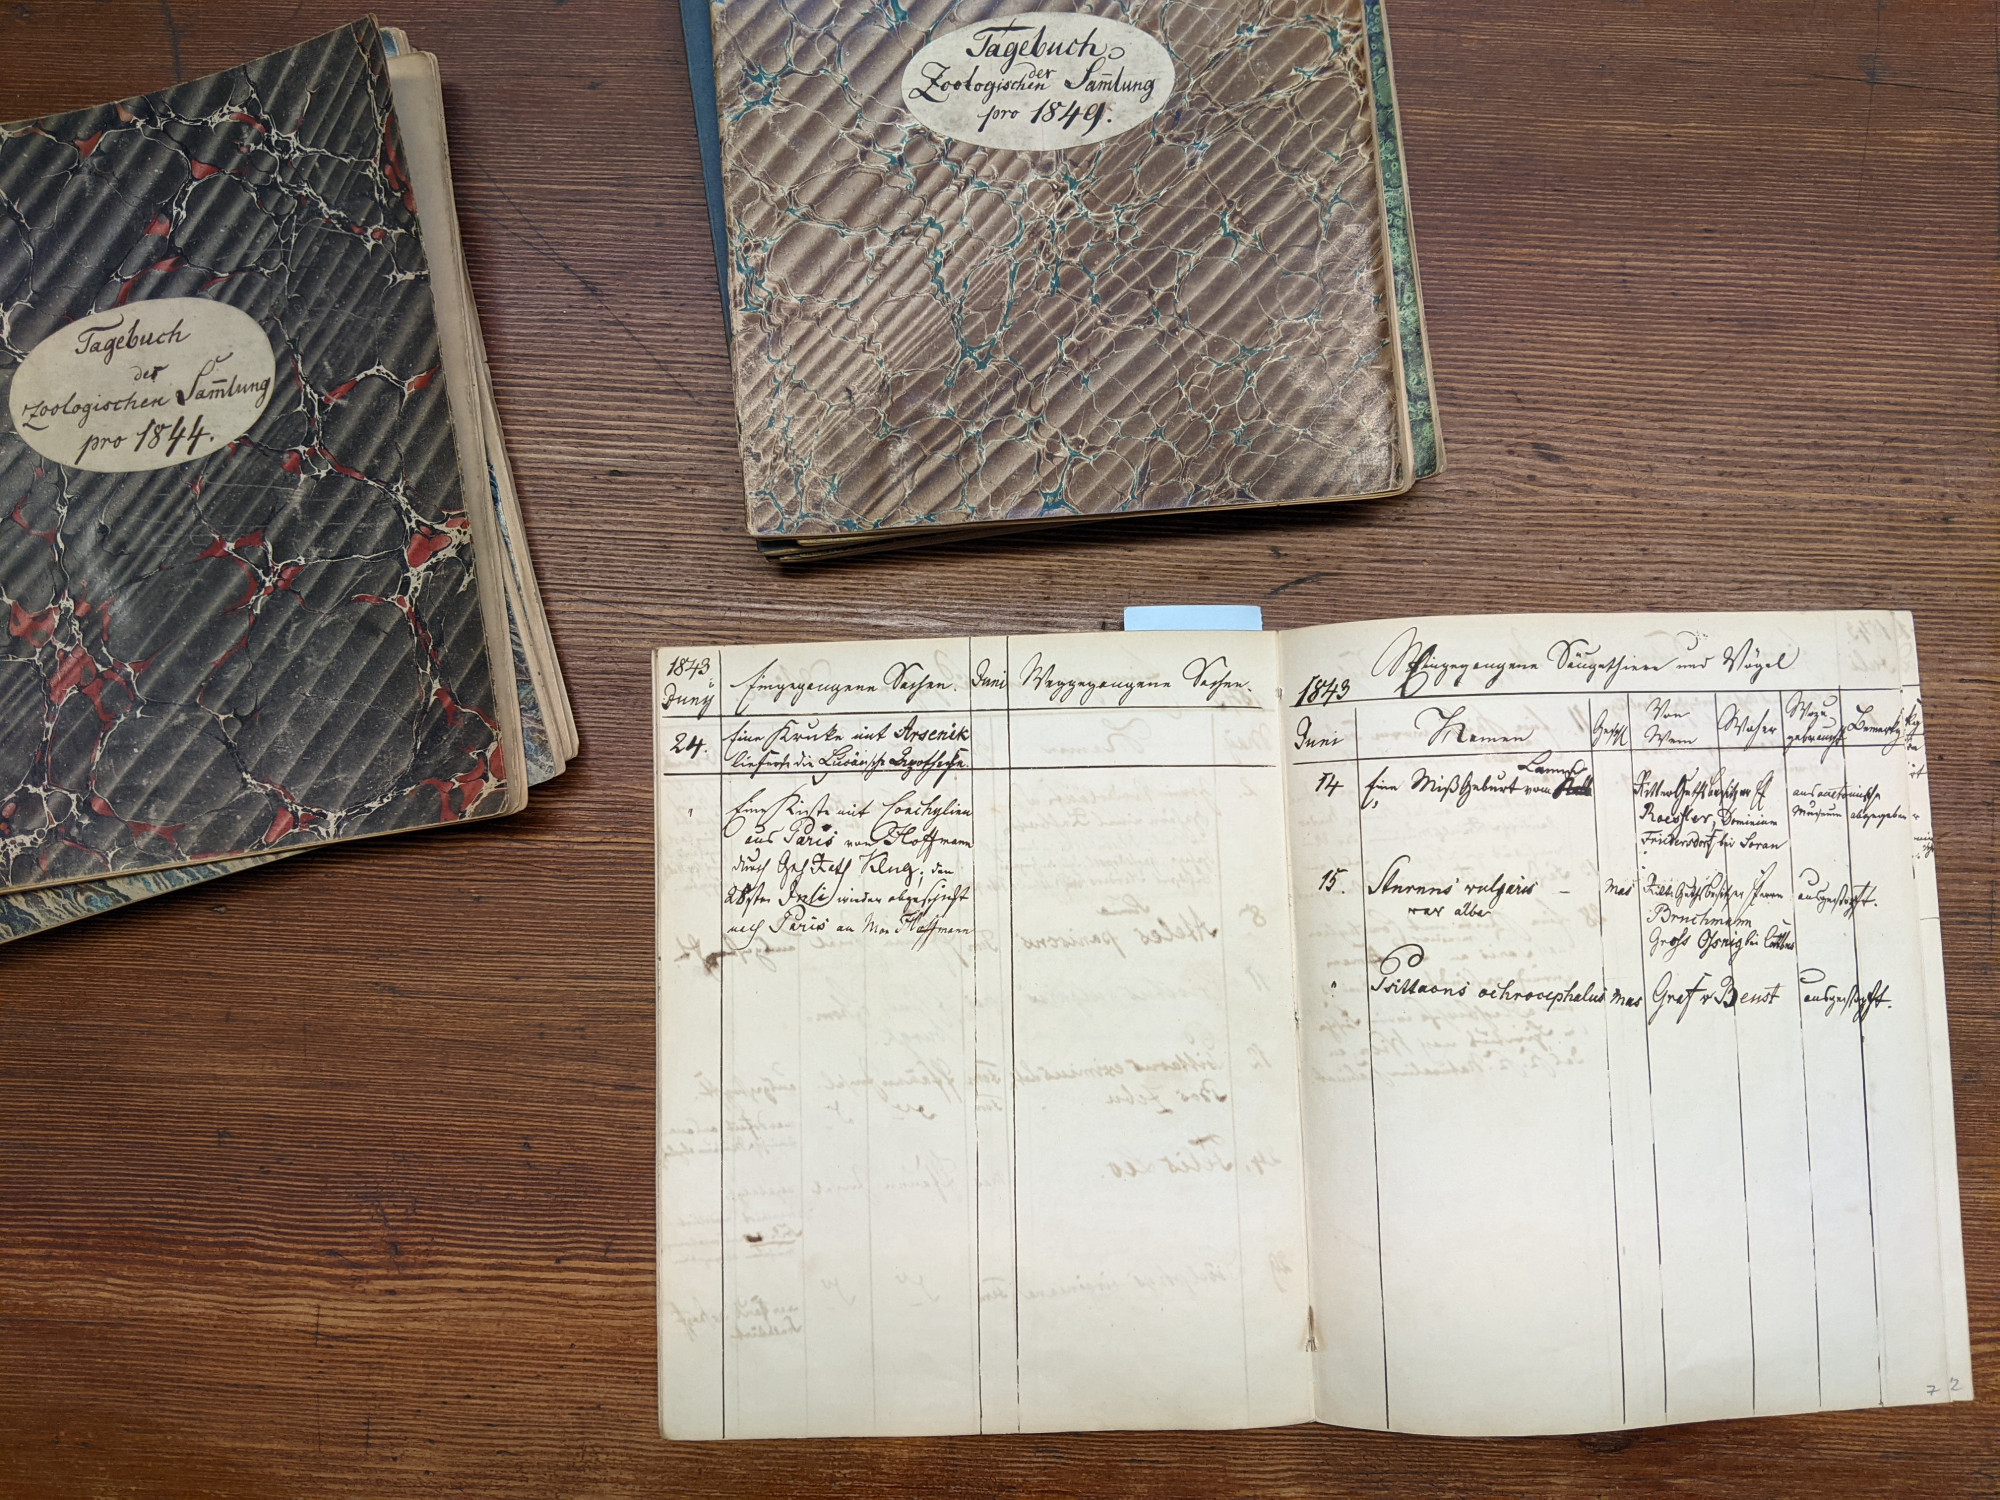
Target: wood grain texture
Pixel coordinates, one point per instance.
(296, 1197)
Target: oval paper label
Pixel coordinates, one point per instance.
(144, 386)
(1039, 82)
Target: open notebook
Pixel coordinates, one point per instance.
(1480, 1025)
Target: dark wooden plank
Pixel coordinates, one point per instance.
(335, 1178)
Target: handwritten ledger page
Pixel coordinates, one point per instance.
(1498, 1025)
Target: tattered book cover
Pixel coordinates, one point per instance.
(992, 262)
(236, 562)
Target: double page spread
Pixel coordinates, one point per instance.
(267, 578)
(1022, 264)
(1464, 1025)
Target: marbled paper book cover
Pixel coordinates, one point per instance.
(237, 562)
(994, 262)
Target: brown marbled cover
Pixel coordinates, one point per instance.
(1195, 313)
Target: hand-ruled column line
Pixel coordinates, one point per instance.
(1652, 1119)
(1724, 816)
(1368, 1013)
(1013, 1056)
(722, 1030)
(1861, 1036)
(1610, 1104)
(1805, 1071)
(978, 1210)
(1229, 1059)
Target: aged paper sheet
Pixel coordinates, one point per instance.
(1625, 1079)
(978, 1065)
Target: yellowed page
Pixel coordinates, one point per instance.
(1622, 1069)
(978, 1067)
(420, 109)
(1958, 1378)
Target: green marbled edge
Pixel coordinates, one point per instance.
(1426, 444)
(23, 913)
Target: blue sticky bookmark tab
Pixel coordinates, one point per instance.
(1194, 617)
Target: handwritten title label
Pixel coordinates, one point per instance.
(1039, 82)
(143, 387)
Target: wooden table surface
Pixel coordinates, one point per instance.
(336, 1178)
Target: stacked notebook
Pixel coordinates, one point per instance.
(263, 567)
(988, 266)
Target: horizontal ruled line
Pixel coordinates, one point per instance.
(989, 769)
(1503, 751)
(1446, 695)
(996, 712)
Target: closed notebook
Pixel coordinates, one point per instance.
(991, 265)
(257, 590)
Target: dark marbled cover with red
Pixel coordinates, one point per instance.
(281, 643)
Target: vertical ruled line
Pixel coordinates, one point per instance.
(801, 1248)
(978, 1209)
(1722, 820)
(1861, 1042)
(1229, 1056)
(1805, 1072)
(722, 1046)
(1368, 1013)
(1610, 1103)
(868, 1198)
(1013, 1057)
(1652, 1120)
